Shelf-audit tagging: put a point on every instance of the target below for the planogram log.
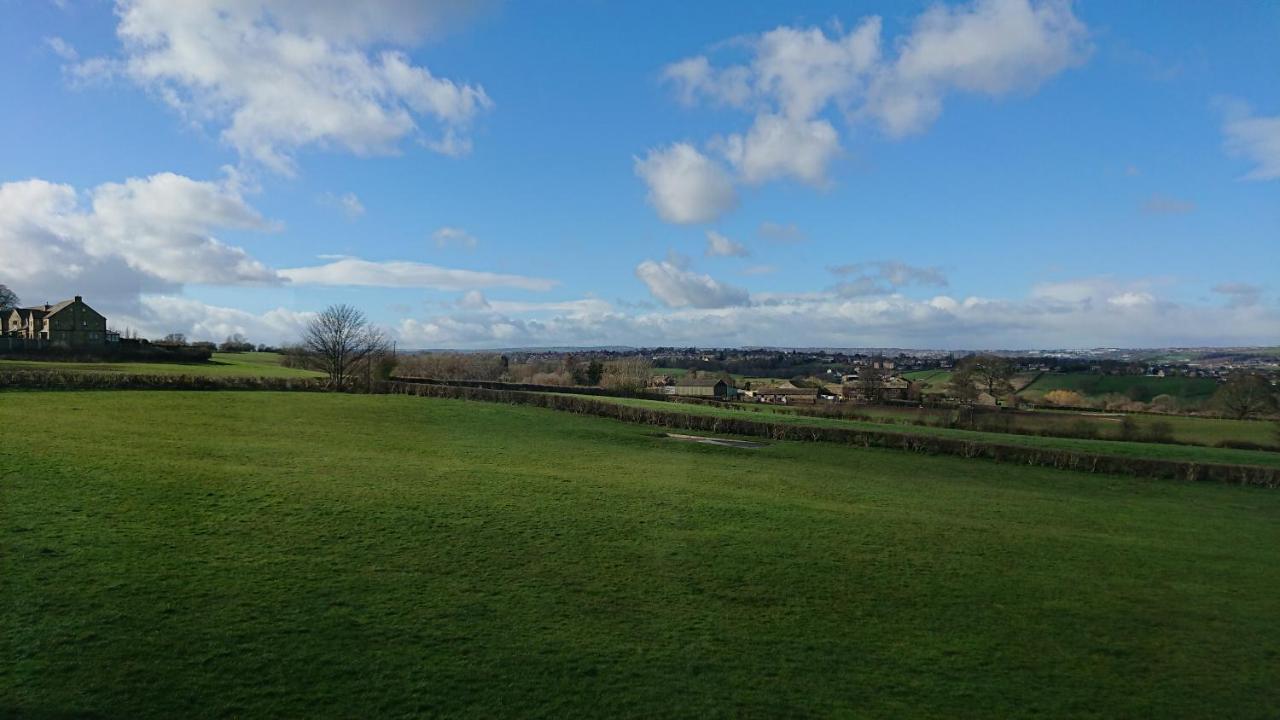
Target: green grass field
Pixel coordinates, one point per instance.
(171, 554)
(250, 364)
(773, 413)
(1182, 388)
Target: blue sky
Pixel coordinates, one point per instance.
(1000, 173)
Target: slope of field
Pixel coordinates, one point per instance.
(303, 555)
(1183, 388)
(1160, 451)
(251, 364)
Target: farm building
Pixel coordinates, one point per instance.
(788, 396)
(70, 323)
(702, 387)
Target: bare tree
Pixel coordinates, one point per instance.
(236, 343)
(344, 344)
(871, 384)
(8, 299)
(1245, 395)
(629, 373)
(990, 373)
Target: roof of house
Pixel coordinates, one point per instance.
(787, 391)
(53, 309)
(698, 382)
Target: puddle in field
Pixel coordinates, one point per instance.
(716, 441)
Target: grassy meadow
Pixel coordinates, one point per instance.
(1142, 387)
(249, 364)
(1160, 451)
(170, 554)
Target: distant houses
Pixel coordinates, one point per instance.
(70, 323)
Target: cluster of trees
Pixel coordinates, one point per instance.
(8, 299)
(626, 373)
(977, 374)
(1246, 395)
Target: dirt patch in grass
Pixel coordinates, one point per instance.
(716, 441)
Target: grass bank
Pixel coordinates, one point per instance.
(250, 364)
(171, 554)
(1154, 451)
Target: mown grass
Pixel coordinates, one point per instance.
(1161, 451)
(305, 555)
(250, 364)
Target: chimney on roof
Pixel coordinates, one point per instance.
(79, 299)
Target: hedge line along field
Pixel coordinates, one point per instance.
(1158, 451)
(249, 364)
(172, 554)
(1189, 429)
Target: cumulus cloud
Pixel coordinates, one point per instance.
(348, 203)
(686, 186)
(796, 76)
(826, 319)
(158, 315)
(117, 240)
(778, 146)
(721, 246)
(447, 236)
(883, 277)
(1239, 294)
(989, 47)
(1256, 139)
(675, 286)
(350, 271)
(62, 48)
(787, 234)
(280, 75)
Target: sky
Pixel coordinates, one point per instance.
(995, 174)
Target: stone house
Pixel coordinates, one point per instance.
(70, 323)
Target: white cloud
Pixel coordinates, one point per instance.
(989, 47)
(824, 319)
(159, 315)
(279, 75)
(720, 246)
(796, 75)
(686, 186)
(1256, 139)
(447, 236)
(399, 273)
(1239, 294)
(787, 234)
(675, 286)
(760, 270)
(1132, 299)
(118, 240)
(694, 78)
(348, 203)
(884, 277)
(62, 48)
(778, 146)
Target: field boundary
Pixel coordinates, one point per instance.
(76, 380)
(1251, 475)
